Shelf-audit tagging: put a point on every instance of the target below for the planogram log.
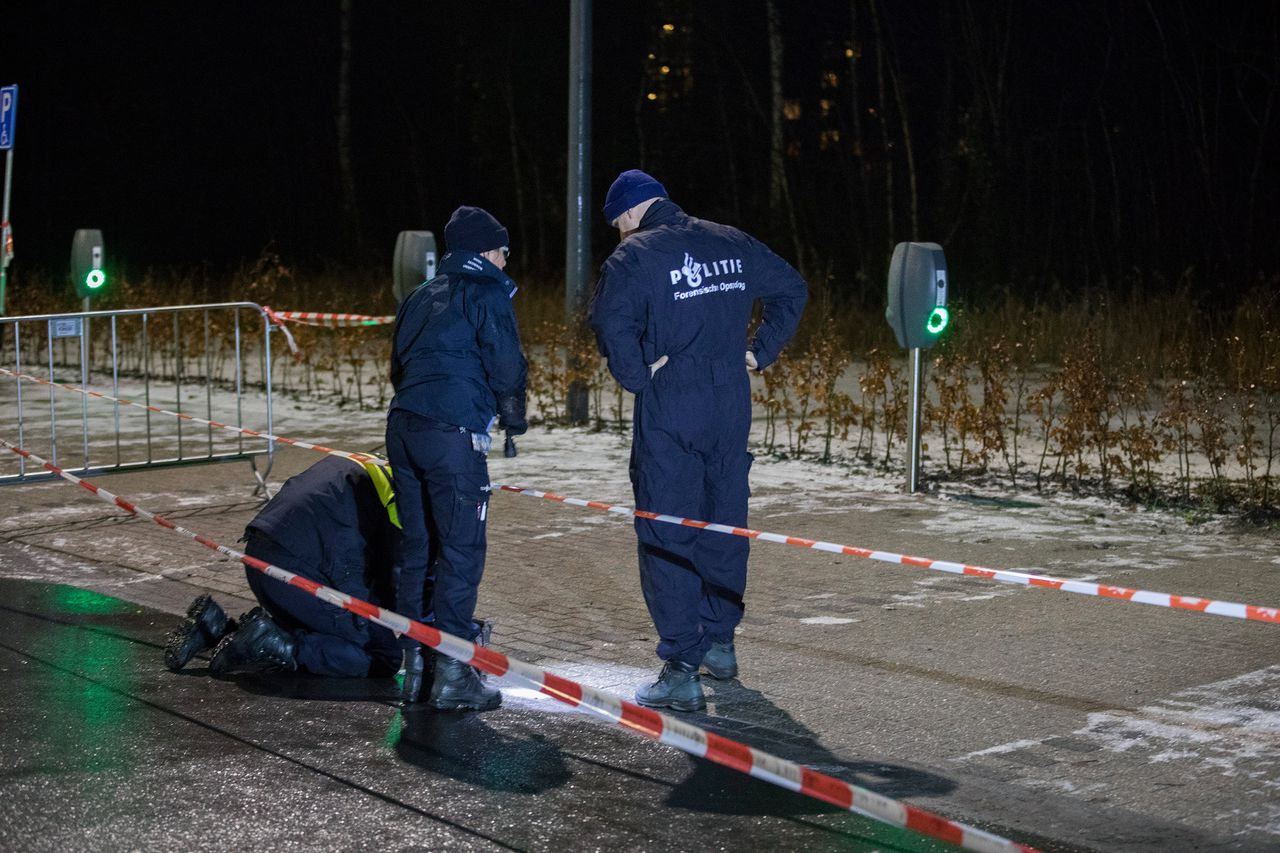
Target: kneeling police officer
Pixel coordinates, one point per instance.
(335, 523)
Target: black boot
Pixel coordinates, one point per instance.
(258, 644)
(720, 661)
(204, 625)
(678, 687)
(457, 687)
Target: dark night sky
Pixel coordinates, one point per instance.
(1051, 140)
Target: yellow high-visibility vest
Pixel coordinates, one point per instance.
(381, 476)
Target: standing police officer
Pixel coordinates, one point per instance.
(335, 523)
(670, 314)
(457, 369)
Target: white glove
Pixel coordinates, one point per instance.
(751, 361)
(656, 366)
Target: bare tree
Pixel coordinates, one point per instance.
(513, 140)
(777, 161)
(886, 145)
(1260, 119)
(350, 214)
(858, 195)
(779, 192)
(1200, 115)
(895, 79)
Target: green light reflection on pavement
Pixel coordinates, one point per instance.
(85, 716)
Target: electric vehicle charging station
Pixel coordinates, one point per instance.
(917, 313)
(415, 261)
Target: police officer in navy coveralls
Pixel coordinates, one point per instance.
(457, 369)
(335, 523)
(670, 314)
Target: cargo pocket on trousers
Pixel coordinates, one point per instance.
(468, 511)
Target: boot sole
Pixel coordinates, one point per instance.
(464, 706)
(721, 675)
(184, 643)
(676, 705)
(188, 640)
(196, 608)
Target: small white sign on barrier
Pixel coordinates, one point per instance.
(66, 327)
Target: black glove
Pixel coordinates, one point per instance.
(414, 669)
(511, 414)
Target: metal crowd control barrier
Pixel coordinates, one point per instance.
(190, 357)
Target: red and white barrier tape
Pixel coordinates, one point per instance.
(288, 336)
(1139, 596)
(1235, 610)
(645, 721)
(318, 318)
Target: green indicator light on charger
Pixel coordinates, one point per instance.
(937, 320)
(95, 279)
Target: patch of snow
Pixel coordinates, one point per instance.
(1012, 746)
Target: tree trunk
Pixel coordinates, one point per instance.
(887, 151)
(1251, 219)
(1200, 118)
(779, 192)
(777, 161)
(729, 147)
(540, 221)
(904, 121)
(860, 201)
(521, 247)
(350, 222)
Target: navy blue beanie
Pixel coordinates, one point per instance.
(473, 229)
(632, 187)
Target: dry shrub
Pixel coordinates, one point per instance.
(954, 415)
(1104, 387)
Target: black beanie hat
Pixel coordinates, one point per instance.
(629, 189)
(473, 229)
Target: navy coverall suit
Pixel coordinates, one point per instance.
(456, 365)
(684, 288)
(329, 524)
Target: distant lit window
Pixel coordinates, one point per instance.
(830, 80)
(653, 96)
(666, 69)
(668, 28)
(791, 110)
(825, 104)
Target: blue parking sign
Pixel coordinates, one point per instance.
(8, 110)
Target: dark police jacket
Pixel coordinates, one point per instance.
(332, 518)
(456, 357)
(684, 288)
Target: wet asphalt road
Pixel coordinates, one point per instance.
(1065, 722)
(103, 749)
